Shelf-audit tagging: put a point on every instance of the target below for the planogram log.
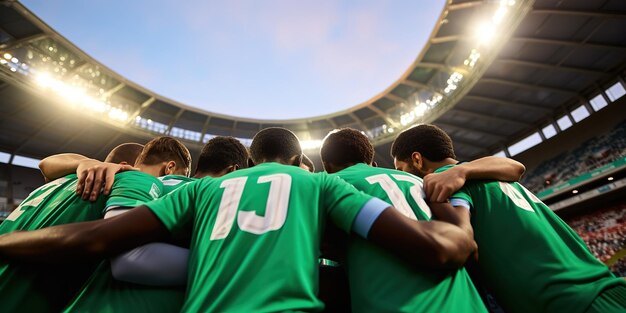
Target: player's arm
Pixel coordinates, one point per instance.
(440, 186)
(92, 174)
(79, 241)
(156, 264)
(455, 215)
(59, 165)
(426, 243)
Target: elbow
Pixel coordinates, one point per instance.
(453, 253)
(520, 169)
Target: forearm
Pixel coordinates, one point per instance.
(459, 216)
(59, 165)
(156, 264)
(433, 244)
(49, 245)
(79, 241)
(492, 167)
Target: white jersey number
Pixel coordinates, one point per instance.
(517, 197)
(397, 197)
(275, 207)
(49, 188)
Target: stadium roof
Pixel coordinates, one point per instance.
(531, 63)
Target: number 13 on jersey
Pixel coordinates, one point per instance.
(248, 221)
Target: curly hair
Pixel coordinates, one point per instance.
(429, 140)
(346, 146)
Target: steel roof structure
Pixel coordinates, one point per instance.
(535, 61)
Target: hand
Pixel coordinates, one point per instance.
(440, 186)
(93, 174)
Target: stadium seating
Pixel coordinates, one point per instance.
(604, 232)
(590, 154)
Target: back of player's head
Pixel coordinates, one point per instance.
(221, 152)
(124, 153)
(274, 143)
(429, 140)
(165, 149)
(345, 147)
(307, 164)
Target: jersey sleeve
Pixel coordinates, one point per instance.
(342, 201)
(132, 189)
(463, 198)
(176, 208)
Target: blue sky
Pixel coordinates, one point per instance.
(260, 59)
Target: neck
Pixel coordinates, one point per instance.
(333, 168)
(432, 166)
(154, 170)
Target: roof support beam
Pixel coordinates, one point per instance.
(358, 120)
(566, 43)
(395, 98)
(552, 67)
(174, 120)
(464, 5)
(113, 90)
(527, 86)
(383, 115)
(508, 103)
(491, 118)
(418, 85)
(144, 106)
(445, 39)
(468, 129)
(205, 127)
(590, 13)
(20, 42)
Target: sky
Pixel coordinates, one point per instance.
(271, 59)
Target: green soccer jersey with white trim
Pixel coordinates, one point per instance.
(380, 282)
(103, 293)
(173, 182)
(46, 288)
(257, 236)
(529, 258)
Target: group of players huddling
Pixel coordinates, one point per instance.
(135, 233)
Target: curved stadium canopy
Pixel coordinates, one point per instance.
(533, 63)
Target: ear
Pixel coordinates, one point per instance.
(250, 162)
(374, 164)
(170, 168)
(296, 160)
(417, 160)
(232, 168)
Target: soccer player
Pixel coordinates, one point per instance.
(151, 278)
(36, 289)
(256, 232)
(31, 288)
(379, 281)
(529, 258)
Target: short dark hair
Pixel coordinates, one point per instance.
(429, 140)
(221, 152)
(274, 143)
(126, 152)
(307, 161)
(346, 146)
(163, 149)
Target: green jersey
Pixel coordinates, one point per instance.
(103, 293)
(379, 282)
(529, 258)
(40, 288)
(173, 182)
(256, 236)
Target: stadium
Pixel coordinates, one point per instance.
(548, 91)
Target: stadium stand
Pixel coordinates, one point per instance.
(604, 232)
(590, 154)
